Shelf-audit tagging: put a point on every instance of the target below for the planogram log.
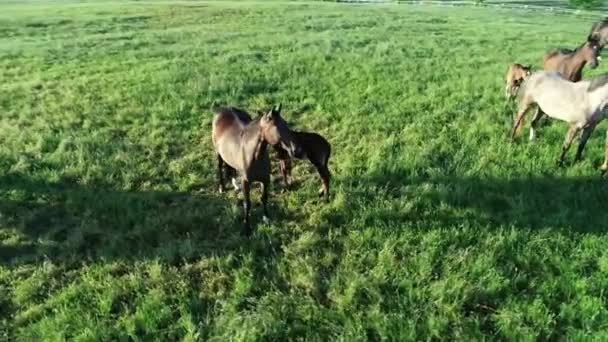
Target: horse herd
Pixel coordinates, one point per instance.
(241, 143)
(559, 92)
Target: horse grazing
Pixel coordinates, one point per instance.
(516, 74)
(599, 31)
(317, 150)
(241, 144)
(581, 104)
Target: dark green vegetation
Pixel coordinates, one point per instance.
(110, 225)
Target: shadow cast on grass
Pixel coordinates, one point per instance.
(544, 202)
(70, 222)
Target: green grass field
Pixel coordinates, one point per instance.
(111, 227)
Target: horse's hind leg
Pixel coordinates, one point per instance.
(325, 175)
(246, 207)
(535, 120)
(604, 167)
(265, 200)
(220, 173)
(569, 138)
(584, 137)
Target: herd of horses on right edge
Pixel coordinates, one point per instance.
(559, 92)
(242, 143)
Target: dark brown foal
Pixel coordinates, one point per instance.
(317, 150)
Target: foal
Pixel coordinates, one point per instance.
(317, 150)
(516, 74)
(242, 143)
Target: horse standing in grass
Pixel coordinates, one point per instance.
(570, 64)
(582, 105)
(317, 150)
(242, 143)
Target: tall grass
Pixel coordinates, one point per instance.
(111, 229)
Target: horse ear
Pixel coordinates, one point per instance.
(278, 108)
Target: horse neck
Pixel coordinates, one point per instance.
(253, 141)
(577, 60)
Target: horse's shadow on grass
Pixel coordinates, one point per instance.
(70, 222)
(535, 202)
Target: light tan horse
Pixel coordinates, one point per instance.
(242, 143)
(570, 64)
(581, 104)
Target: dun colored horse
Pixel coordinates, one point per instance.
(581, 104)
(570, 64)
(317, 150)
(599, 31)
(242, 143)
(515, 76)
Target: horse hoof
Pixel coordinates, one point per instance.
(265, 219)
(237, 188)
(220, 190)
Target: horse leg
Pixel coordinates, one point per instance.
(518, 120)
(220, 172)
(265, 200)
(285, 166)
(569, 138)
(246, 207)
(584, 137)
(535, 120)
(324, 173)
(604, 167)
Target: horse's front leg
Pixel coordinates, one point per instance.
(285, 167)
(265, 185)
(246, 207)
(324, 174)
(567, 142)
(535, 120)
(220, 173)
(604, 167)
(583, 141)
(518, 120)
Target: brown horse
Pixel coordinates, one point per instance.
(570, 64)
(242, 143)
(516, 74)
(317, 150)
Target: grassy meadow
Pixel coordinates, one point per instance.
(111, 227)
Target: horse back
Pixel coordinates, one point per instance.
(229, 121)
(316, 147)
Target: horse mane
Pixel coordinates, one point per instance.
(598, 82)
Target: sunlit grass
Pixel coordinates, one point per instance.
(110, 226)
